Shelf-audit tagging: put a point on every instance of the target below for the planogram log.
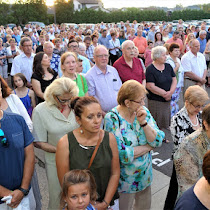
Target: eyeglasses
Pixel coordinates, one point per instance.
(141, 102)
(101, 56)
(63, 101)
(3, 139)
(198, 107)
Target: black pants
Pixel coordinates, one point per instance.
(113, 58)
(172, 192)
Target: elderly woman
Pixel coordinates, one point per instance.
(161, 84)
(42, 75)
(136, 133)
(52, 119)
(69, 66)
(188, 158)
(185, 122)
(198, 196)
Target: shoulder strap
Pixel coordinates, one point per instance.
(94, 152)
(117, 117)
(82, 82)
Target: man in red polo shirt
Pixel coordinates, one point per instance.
(176, 39)
(128, 66)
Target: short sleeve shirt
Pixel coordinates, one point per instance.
(161, 79)
(12, 157)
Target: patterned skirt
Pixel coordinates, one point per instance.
(160, 112)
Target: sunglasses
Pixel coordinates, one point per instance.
(3, 139)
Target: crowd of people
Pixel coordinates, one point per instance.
(97, 101)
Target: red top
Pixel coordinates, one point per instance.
(126, 72)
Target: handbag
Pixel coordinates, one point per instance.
(94, 152)
(118, 52)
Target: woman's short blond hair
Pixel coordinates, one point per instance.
(196, 94)
(65, 55)
(59, 87)
(130, 90)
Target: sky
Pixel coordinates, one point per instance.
(147, 3)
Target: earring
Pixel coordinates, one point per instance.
(81, 131)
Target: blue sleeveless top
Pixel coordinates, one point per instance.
(26, 100)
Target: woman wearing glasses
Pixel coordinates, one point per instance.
(52, 119)
(185, 122)
(136, 133)
(42, 75)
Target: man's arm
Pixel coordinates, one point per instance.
(28, 171)
(194, 77)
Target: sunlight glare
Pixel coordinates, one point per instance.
(49, 3)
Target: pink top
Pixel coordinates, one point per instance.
(147, 57)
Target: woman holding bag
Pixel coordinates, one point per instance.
(114, 48)
(92, 148)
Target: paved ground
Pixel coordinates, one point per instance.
(162, 168)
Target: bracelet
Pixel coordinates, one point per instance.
(145, 124)
(108, 206)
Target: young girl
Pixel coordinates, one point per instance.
(25, 94)
(78, 190)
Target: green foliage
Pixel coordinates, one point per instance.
(35, 10)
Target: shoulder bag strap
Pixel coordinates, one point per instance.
(94, 152)
(82, 83)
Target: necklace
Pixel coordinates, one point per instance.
(194, 125)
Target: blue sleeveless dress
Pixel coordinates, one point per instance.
(26, 100)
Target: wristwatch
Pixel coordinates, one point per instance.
(24, 191)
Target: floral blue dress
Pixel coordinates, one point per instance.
(135, 173)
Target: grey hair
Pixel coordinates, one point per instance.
(46, 43)
(125, 43)
(59, 87)
(157, 52)
(82, 46)
(202, 32)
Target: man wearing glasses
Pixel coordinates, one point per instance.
(73, 47)
(23, 63)
(16, 162)
(103, 80)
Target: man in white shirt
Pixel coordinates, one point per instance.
(194, 65)
(23, 63)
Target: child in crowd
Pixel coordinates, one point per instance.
(25, 94)
(78, 190)
(147, 53)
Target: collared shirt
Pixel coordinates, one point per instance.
(178, 41)
(54, 62)
(89, 51)
(202, 44)
(23, 64)
(113, 44)
(141, 43)
(104, 87)
(126, 72)
(104, 41)
(195, 64)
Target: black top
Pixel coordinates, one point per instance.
(39, 49)
(44, 83)
(189, 201)
(161, 79)
(79, 158)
